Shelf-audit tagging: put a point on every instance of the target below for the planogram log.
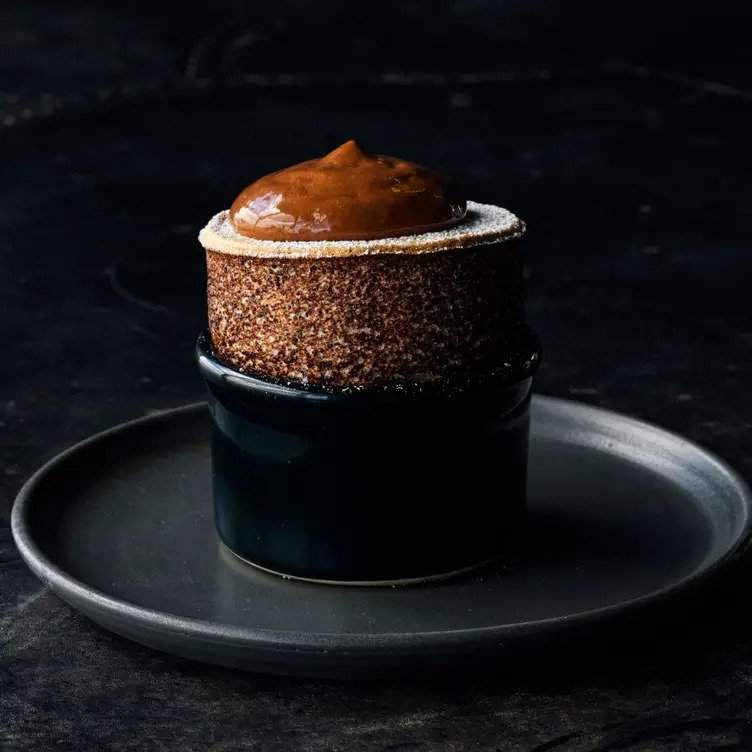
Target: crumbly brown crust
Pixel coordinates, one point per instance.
(362, 319)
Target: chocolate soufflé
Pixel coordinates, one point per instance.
(357, 270)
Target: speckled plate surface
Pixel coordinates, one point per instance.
(622, 516)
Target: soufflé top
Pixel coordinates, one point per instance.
(357, 269)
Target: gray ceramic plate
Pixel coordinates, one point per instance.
(622, 516)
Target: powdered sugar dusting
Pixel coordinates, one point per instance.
(485, 223)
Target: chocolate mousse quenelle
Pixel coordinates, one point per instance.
(369, 371)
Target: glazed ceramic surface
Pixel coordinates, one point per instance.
(372, 486)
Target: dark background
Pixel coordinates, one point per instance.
(619, 131)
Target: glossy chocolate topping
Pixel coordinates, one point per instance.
(347, 195)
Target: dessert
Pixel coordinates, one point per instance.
(368, 371)
(355, 269)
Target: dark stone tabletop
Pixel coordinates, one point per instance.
(618, 131)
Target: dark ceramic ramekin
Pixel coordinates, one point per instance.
(377, 485)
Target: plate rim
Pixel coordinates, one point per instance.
(87, 598)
